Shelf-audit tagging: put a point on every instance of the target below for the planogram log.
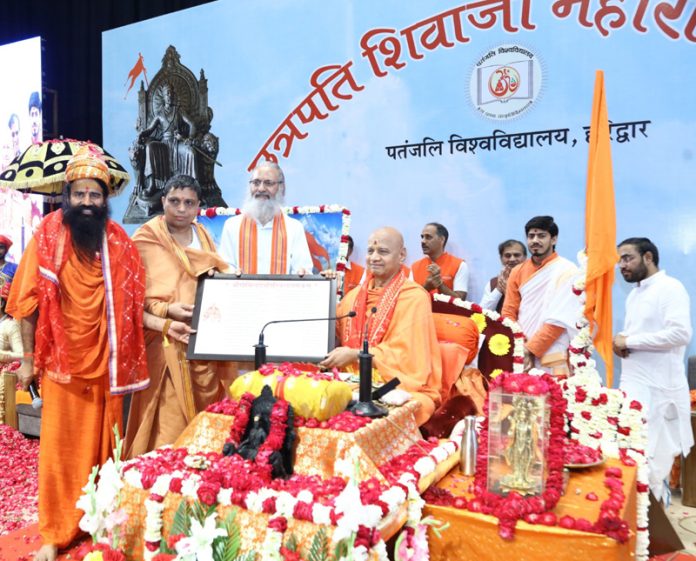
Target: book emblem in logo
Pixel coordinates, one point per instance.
(505, 82)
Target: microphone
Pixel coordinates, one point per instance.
(36, 401)
(260, 347)
(366, 344)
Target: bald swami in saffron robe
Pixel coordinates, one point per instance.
(179, 388)
(401, 337)
(89, 348)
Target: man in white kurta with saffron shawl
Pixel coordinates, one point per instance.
(540, 298)
(657, 330)
(263, 239)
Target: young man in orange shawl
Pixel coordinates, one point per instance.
(78, 293)
(401, 333)
(175, 251)
(263, 239)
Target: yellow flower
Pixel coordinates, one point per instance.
(480, 321)
(499, 344)
(93, 556)
(496, 372)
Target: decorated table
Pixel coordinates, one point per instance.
(473, 535)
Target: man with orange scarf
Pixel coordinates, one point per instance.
(401, 332)
(78, 293)
(175, 251)
(263, 239)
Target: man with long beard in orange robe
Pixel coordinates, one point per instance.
(78, 293)
(175, 251)
(401, 333)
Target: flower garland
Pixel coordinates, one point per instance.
(276, 436)
(499, 346)
(241, 418)
(509, 509)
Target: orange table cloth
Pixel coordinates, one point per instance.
(475, 536)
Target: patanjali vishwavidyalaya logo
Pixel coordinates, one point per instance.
(505, 82)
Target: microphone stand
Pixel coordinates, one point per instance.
(260, 347)
(260, 353)
(365, 407)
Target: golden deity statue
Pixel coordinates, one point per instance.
(520, 451)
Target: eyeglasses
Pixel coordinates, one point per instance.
(264, 182)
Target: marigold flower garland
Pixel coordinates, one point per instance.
(499, 345)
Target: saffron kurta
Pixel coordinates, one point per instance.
(409, 349)
(179, 388)
(454, 272)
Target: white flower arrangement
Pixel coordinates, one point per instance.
(101, 501)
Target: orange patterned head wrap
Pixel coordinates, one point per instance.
(88, 163)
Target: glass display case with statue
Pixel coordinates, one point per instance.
(518, 429)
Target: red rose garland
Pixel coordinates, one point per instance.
(241, 418)
(276, 436)
(513, 507)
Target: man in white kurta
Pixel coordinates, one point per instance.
(652, 344)
(512, 253)
(278, 242)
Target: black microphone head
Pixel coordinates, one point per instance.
(352, 314)
(374, 309)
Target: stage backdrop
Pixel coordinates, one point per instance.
(472, 114)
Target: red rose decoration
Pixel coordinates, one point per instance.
(207, 492)
(175, 485)
(210, 212)
(279, 524)
(173, 539)
(567, 522)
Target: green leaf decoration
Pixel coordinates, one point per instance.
(200, 511)
(291, 544)
(182, 520)
(234, 538)
(319, 550)
(248, 556)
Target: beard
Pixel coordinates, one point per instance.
(637, 275)
(87, 230)
(261, 209)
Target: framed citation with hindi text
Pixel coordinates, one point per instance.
(294, 313)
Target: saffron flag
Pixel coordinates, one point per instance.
(600, 229)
